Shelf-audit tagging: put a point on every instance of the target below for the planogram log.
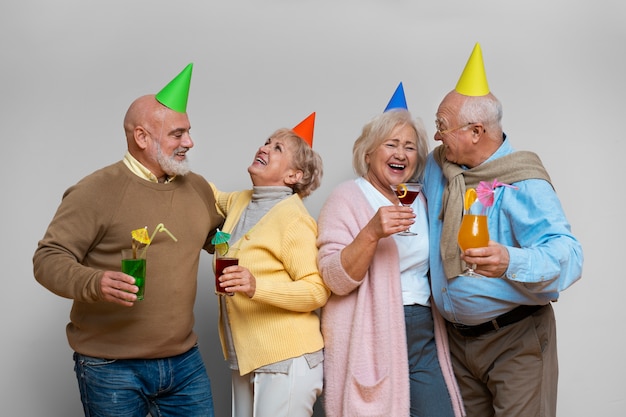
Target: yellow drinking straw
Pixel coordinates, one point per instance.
(161, 228)
(141, 236)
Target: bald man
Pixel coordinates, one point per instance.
(135, 357)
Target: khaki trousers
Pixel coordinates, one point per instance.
(510, 372)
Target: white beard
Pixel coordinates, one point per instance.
(170, 165)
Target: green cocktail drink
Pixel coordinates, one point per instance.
(136, 267)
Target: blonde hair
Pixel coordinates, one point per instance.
(377, 130)
(304, 159)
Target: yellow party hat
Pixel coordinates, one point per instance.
(473, 81)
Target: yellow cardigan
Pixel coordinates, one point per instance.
(280, 321)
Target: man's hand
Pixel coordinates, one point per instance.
(491, 261)
(118, 288)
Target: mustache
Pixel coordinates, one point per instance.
(181, 149)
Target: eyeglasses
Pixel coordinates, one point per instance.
(446, 131)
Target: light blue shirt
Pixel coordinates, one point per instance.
(545, 258)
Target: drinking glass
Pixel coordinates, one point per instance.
(473, 233)
(224, 260)
(134, 264)
(407, 192)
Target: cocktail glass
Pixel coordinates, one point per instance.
(407, 192)
(473, 233)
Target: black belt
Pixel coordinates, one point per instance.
(513, 316)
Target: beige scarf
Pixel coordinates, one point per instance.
(514, 167)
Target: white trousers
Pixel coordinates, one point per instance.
(276, 394)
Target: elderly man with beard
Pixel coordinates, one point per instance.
(132, 357)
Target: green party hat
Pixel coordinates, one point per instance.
(174, 95)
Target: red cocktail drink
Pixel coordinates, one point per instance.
(220, 264)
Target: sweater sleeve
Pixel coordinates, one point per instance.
(80, 222)
(305, 291)
(222, 200)
(338, 226)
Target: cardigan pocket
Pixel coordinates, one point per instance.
(368, 400)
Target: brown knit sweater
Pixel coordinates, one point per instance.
(91, 226)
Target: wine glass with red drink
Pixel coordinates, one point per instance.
(407, 192)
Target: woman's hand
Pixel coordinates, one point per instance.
(237, 278)
(357, 256)
(391, 219)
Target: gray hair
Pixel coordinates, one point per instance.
(485, 109)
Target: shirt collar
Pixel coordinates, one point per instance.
(141, 171)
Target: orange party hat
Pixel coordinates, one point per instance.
(305, 128)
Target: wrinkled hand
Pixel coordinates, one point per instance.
(491, 261)
(237, 278)
(118, 288)
(391, 219)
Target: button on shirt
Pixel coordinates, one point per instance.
(530, 217)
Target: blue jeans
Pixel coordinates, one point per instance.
(429, 393)
(174, 386)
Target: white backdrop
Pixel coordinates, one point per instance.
(70, 68)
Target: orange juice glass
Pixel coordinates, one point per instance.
(473, 232)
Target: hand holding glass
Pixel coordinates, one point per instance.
(407, 192)
(134, 264)
(473, 233)
(224, 260)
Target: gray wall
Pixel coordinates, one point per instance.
(70, 68)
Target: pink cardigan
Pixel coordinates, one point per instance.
(365, 354)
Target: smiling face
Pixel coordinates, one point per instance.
(273, 163)
(457, 136)
(394, 160)
(170, 149)
(469, 128)
(158, 137)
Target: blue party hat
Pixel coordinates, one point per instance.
(398, 101)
